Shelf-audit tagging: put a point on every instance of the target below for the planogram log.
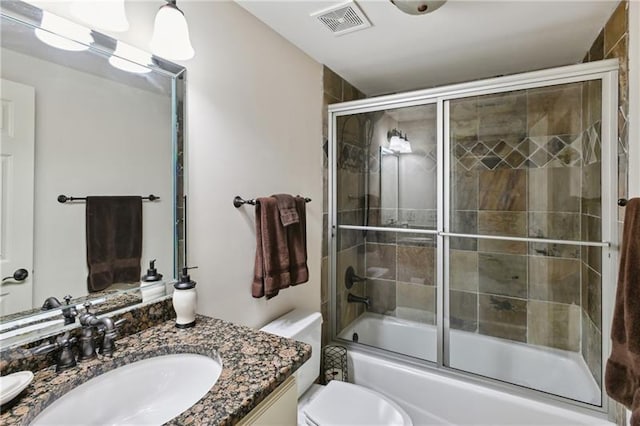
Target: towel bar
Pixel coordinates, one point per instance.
(238, 201)
(622, 202)
(64, 198)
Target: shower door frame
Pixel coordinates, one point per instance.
(607, 72)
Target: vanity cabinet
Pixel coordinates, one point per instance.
(279, 408)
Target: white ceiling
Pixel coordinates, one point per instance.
(461, 41)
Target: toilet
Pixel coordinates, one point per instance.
(338, 403)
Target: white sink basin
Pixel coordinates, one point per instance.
(151, 391)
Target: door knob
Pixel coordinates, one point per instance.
(19, 275)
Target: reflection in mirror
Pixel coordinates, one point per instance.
(405, 139)
(388, 186)
(81, 121)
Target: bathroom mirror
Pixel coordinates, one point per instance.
(79, 120)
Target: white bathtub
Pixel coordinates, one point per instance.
(431, 398)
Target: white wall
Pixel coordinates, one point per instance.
(92, 138)
(253, 128)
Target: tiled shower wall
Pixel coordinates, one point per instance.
(517, 170)
(350, 165)
(401, 268)
(611, 42)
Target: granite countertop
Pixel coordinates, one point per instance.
(253, 365)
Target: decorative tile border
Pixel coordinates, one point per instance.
(530, 152)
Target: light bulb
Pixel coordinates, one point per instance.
(107, 15)
(134, 59)
(62, 33)
(171, 34)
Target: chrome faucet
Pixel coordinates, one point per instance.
(352, 298)
(91, 323)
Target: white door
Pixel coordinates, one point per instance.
(17, 129)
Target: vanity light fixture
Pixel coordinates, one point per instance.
(398, 143)
(107, 15)
(62, 33)
(135, 56)
(171, 34)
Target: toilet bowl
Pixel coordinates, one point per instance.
(337, 403)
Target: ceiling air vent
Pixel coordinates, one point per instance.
(343, 18)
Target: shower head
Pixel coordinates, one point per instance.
(418, 7)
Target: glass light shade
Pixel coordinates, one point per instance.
(395, 143)
(400, 145)
(135, 59)
(108, 15)
(171, 34)
(62, 33)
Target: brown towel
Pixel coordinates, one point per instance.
(622, 376)
(297, 240)
(114, 240)
(287, 208)
(281, 253)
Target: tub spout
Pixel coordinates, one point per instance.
(352, 298)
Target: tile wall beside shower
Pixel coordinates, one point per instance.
(611, 42)
(350, 245)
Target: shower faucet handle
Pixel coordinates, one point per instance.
(351, 278)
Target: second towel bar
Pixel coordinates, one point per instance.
(239, 201)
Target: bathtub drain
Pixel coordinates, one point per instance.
(355, 337)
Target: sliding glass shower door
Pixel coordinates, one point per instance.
(387, 175)
(472, 229)
(524, 254)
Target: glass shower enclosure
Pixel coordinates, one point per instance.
(472, 229)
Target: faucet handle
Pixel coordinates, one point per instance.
(45, 349)
(65, 340)
(65, 358)
(102, 327)
(68, 298)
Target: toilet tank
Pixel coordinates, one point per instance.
(304, 326)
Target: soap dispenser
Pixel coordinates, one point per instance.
(151, 285)
(184, 300)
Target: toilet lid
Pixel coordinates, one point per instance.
(342, 403)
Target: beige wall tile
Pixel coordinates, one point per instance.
(555, 189)
(555, 111)
(416, 265)
(511, 224)
(416, 296)
(382, 296)
(554, 324)
(616, 26)
(463, 273)
(503, 274)
(555, 280)
(503, 317)
(381, 261)
(463, 310)
(504, 189)
(332, 84)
